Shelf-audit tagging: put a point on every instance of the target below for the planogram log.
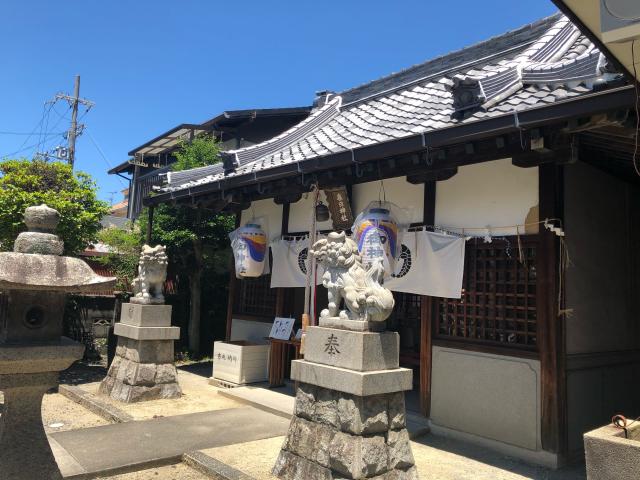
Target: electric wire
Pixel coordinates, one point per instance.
(4, 132)
(32, 132)
(104, 157)
(41, 137)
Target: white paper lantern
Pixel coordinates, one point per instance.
(376, 233)
(249, 244)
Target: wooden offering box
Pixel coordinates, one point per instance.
(240, 362)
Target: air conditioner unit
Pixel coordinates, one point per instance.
(620, 20)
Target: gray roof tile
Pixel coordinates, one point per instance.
(556, 62)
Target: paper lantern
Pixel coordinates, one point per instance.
(249, 250)
(376, 234)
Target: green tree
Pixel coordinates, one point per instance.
(124, 253)
(196, 240)
(24, 183)
(200, 152)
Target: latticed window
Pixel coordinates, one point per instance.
(255, 297)
(405, 320)
(498, 304)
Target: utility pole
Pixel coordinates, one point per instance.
(74, 130)
(74, 121)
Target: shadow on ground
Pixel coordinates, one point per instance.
(81, 372)
(87, 372)
(467, 451)
(203, 368)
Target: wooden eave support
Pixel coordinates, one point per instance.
(430, 164)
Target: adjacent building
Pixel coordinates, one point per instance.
(233, 129)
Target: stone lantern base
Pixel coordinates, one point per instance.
(26, 374)
(143, 367)
(349, 420)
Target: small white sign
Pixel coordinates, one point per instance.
(282, 328)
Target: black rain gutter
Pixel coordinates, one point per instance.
(608, 100)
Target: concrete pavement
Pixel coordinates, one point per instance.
(120, 447)
(281, 401)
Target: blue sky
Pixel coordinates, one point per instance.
(150, 65)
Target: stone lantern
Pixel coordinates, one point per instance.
(34, 280)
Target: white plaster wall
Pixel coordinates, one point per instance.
(300, 214)
(491, 193)
(250, 331)
(404, 194)
(268, 210)
(491, 396)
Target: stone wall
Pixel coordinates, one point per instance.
(337, 435)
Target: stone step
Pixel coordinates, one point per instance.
(108, 448)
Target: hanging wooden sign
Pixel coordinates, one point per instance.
(340, 207)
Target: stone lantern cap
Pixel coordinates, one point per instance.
(36, 262)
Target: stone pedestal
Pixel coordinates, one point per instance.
(349, 420)
(34, 280)
(26, 374)
(143, 367)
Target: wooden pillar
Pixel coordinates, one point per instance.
(426, 327)
(426, 312)
(551, 331)
(233, 284)
(284, 230)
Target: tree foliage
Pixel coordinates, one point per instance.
(197, 244)
(200, 152)
(24, 183)
(179, 227)
(123, 256)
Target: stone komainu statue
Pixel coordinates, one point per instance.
(152, 272)
(345, 278)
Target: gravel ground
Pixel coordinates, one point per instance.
(256, 459)
(60, 414)
(198, 396)
(437, 458)
(172, 472)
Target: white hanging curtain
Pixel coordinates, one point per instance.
(290, 263)
(429, 264)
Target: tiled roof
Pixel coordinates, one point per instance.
(535, 65)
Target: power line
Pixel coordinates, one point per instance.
(3, 132)
(34, 129)
(104, 157)
(42, 146)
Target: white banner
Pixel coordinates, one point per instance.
(290, 264)
(429, 264)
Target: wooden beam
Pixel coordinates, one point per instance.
(429, 207)
(535, 158)
(551, 335)
(426, 328)
(233, 284)
(432, 176)
(287, 198)
(426, 312)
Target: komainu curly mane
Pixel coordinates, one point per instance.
(345, 278)
(152, 272)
